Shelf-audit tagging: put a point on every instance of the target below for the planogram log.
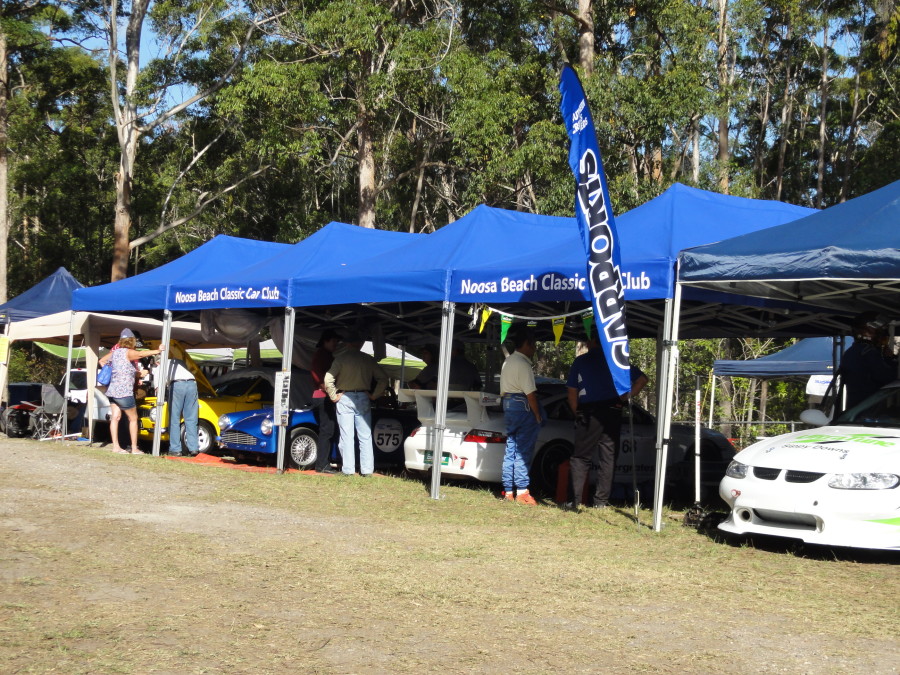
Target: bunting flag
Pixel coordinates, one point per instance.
(505, 323)
(485, 315)
(588, 320)
(598, 230)
(559, 323)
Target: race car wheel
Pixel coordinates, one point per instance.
(545, 467)
(303, 448)
(206, 437)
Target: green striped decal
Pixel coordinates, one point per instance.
(888, 521)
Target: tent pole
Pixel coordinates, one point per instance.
(712, 397)
(697, 414)
(448, 316)
(67, 378)
(287, 356)
(664, 419)
(162, 382)
(4, 366)
(91, 354)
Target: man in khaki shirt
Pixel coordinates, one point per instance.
(522, 414)
(348, 383)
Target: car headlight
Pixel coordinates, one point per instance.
(153, 414)
(864, 481)
(224, 421)
(737, 469)
(265, 426)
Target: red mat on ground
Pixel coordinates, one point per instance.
(229, 463)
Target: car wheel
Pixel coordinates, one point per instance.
(206, 436)
(303, 448)
(545, 467)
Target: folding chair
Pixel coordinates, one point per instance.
(48, 417)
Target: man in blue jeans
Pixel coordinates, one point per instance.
(182, 403)
(522, 414)
(349, 383)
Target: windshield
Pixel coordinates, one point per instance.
(881, 409)
(77, 379)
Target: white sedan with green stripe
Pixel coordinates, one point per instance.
(838, 485)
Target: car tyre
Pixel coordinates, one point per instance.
(206, 437)
(303, 448)
(545, 467)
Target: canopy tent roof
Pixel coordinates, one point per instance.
(273, 282)
(54, 329)
(811, 356)
(52, 294)
(494, 255)
(149, 290)
(503, 258)
(845, 258)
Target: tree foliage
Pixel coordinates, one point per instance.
(268, 119)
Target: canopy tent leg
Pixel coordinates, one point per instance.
(697, 414)
(67, 378)
(448, 317)
(287, 357)
(162, 382)
(664, 419)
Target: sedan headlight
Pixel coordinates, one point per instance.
(265, 427)
(864, 481)
(737, 469)
(224, 421)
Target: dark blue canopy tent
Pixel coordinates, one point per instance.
(810, 356)
(49, 296)
(846, 258)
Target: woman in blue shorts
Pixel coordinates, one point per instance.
(125, 372)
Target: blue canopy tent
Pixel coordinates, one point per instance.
(49, 296)
(469, 259)
(810, 356)
(149, 290)
(274, 281)
(805, 358)
(270, 283)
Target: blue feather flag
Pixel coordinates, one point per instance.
(593, 213)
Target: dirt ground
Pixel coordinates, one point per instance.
(118, 564)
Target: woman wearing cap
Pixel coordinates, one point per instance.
(121, 387)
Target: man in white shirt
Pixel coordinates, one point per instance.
(522, 415)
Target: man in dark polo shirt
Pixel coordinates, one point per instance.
(598, 420)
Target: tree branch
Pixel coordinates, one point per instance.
(204, 199)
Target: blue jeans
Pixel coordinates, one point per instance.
(183, 404)
(521, 435)
(354, 414)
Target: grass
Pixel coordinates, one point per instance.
(152, 565)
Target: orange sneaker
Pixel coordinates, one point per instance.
(526, 498)
(509, 496)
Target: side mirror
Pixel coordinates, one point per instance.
(256, 396)
(814, 417)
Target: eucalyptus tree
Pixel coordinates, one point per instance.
(62, 173)
(200, 47)
(352, 90)
(24, 28)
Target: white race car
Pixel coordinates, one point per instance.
(475, 438)
(838, 485)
